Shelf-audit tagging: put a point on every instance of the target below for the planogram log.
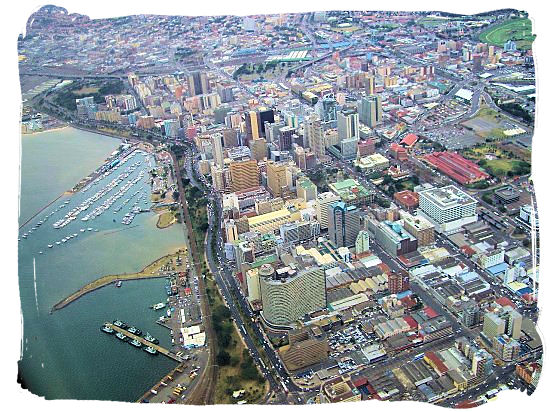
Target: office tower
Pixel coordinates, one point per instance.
(370, 111)
(217, 148)
(306, 346)
(348, 148)
(289, 293)
(285, 137)
(369, 85)
(265, 115)
(322, 206)
(253, 285)
(344, 224)
(448, 208)
(476, 63)
(221, 112)
(470, 315)
(230, 138)
(348, 124)
(362, 243)
(225, 92)
(198, 83)
(493, 325)
(393, 239)
(326, 108)
(258, 149)
(244, 175)
(272, 131)
(420, 227)
(276, 177)
(299, 231)
(252, 125)
(313, 135)
(306, 189)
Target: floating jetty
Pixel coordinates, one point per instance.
(138, 339)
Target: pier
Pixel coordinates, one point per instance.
(158, 348)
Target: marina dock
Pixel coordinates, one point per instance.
(144, 342)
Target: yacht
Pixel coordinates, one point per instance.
(136, 343)
(107, 329)
(50, 246)
(121, 336)
(150, 350)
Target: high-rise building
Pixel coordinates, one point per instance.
(306, 346)
(348, 124)
(344, 224)
(276, 177)
(217, 148)
(306, 189)
(258, 149)
(265, 115)
(230, 138)
(322, 205)
(370, 111)
(252, 125)
(198, 83)
(289, 293)
(362, 243)
(285, 137)
(448, 208)
(420, 227)
(493, 325)
(313, 135)
(326, 108)
(482, 364)
(398, 282)
(244, 175)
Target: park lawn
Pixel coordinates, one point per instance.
(519, 30)
(86, 91)
(166, 219)
(500, 167)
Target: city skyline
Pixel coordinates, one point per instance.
(371, 167)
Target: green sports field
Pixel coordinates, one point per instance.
(518, 30)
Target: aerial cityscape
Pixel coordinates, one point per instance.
(303, 208)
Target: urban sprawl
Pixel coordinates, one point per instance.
(355, 184)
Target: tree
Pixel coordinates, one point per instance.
(223, 358)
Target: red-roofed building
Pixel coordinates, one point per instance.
(467, 250)
(398, 152)
(462, 170)
(411, 322)
(406, 200)
(504, 301)
(430, 313)
(409, 140)
(436, 363)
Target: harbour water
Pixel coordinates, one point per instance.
(64, 354)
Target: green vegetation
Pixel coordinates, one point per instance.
(196, 203)
(236, 369)
(506, 167)
(67, 96)
(516, 110)
(518, 30)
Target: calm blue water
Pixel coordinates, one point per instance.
(65, 355)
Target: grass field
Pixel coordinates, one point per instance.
(519, 30)
(86, 91)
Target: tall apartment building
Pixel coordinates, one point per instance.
(448, 208)
(348, 124)
(362, 243)
(322, 205)
(306, 346)
(291, 292)
(420, 227)
(217, 148)
(244, 175)
(313, 135)
(344, 224)
(370, 111)
(276, 177)
(198, 83)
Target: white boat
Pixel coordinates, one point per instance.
(50, 246)
(90, 229)
(57, 243)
